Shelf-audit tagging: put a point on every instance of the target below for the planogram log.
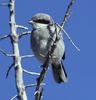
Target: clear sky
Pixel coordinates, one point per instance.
(80, 66)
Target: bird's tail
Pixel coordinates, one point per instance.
(59, 73)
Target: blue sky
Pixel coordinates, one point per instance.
(80, 66)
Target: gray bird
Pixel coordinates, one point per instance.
(44, 29)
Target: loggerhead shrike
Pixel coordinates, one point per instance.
(43, 30)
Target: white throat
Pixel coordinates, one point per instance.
(39, 25)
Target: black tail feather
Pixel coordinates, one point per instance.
(59, 73)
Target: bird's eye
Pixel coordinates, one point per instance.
(42, 21)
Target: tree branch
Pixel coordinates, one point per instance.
(67, 14)
(69, 38)
(66, 17)
(17, 59)
(38, 94)
(32, 85)
(27, 56)
(6, 54)
(27, 86)
(24, 33)
(21, 27)
(30, 73)
(14, 97)
(9, 69)
(4, 37)
(4, 4)
(39, 90)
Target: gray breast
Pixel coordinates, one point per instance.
(40, 45)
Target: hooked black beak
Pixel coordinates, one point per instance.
(30, 22)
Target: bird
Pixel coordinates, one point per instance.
(43, 29)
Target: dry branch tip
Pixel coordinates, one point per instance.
(16, 96)
(30, 73)
(21, 27)
(4, 37)
(7, 73)
(24, 33)
(4, 4)
(6, 54)
(27, 56)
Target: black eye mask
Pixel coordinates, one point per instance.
(42, 21)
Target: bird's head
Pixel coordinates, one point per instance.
(41, 20)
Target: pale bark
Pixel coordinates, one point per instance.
(17, 59)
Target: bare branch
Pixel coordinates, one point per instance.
(27, 56)
(30, 73)
(16, 96)
(9, 70)
(24, 70)
(27, 86)
(4, 4)
(24, 33)
(67, 14)
(4, 37)
(45, 66)
(38, 94)
(77, 48)
(69, 38)
(32, 85)
(17, 59)
(21, 27)
(6, 54)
